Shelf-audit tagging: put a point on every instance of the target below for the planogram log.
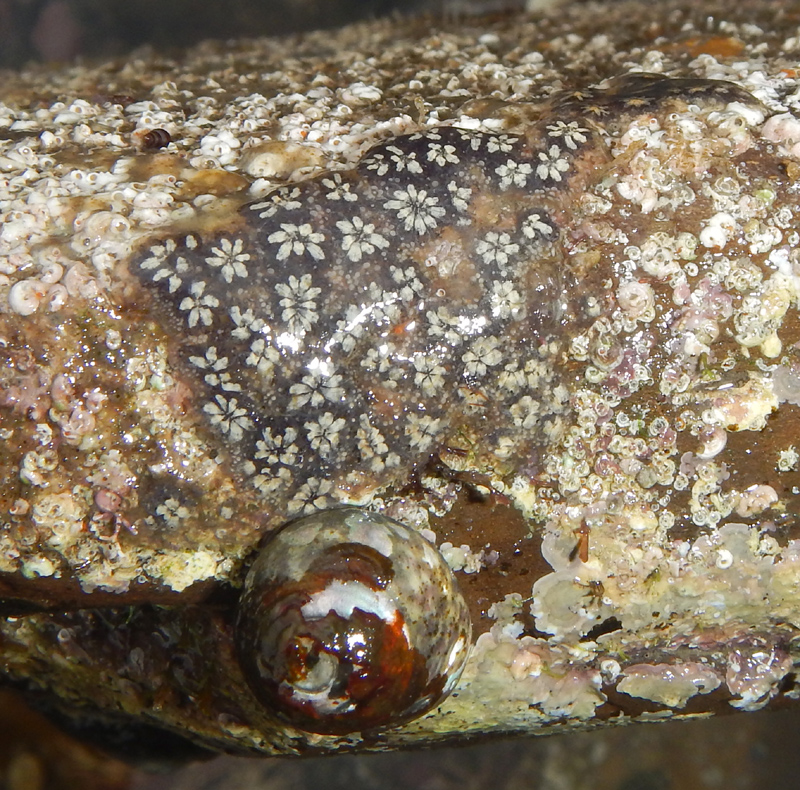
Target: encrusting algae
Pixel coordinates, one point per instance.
(528, 285)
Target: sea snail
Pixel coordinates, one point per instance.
(350, 621)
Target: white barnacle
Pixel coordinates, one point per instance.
(416, 209)
(229, 417)
(297, 240)
(25, 296)
(536, 374)
(382, 305)
(473, 140)
(441, 324)
(158, 254)
(788, 459)
(511, 378)
(513, 173)
(299, 303)
(270, 481)
(379, 359)
(359, 239)
(428, 135)
(229, 259)
(552, 164)
(210, 361)
(198, 305)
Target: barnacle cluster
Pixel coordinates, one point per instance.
(327, 328)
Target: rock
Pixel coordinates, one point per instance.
(526, 284)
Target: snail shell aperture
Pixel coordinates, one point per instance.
(350, 621)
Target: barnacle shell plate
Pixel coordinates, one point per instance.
(350, 621)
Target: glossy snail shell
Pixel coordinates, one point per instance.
(350, 621)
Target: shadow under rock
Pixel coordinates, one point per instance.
(742, 752)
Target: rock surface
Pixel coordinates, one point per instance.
(551, 319)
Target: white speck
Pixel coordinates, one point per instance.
(787, 459)
(716, 233)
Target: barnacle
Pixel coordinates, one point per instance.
(327, 326)
(350, 621)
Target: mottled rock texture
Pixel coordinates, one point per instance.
(529, 284)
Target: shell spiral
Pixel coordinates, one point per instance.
(350, 621)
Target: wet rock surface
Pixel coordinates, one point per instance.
(527, 284)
